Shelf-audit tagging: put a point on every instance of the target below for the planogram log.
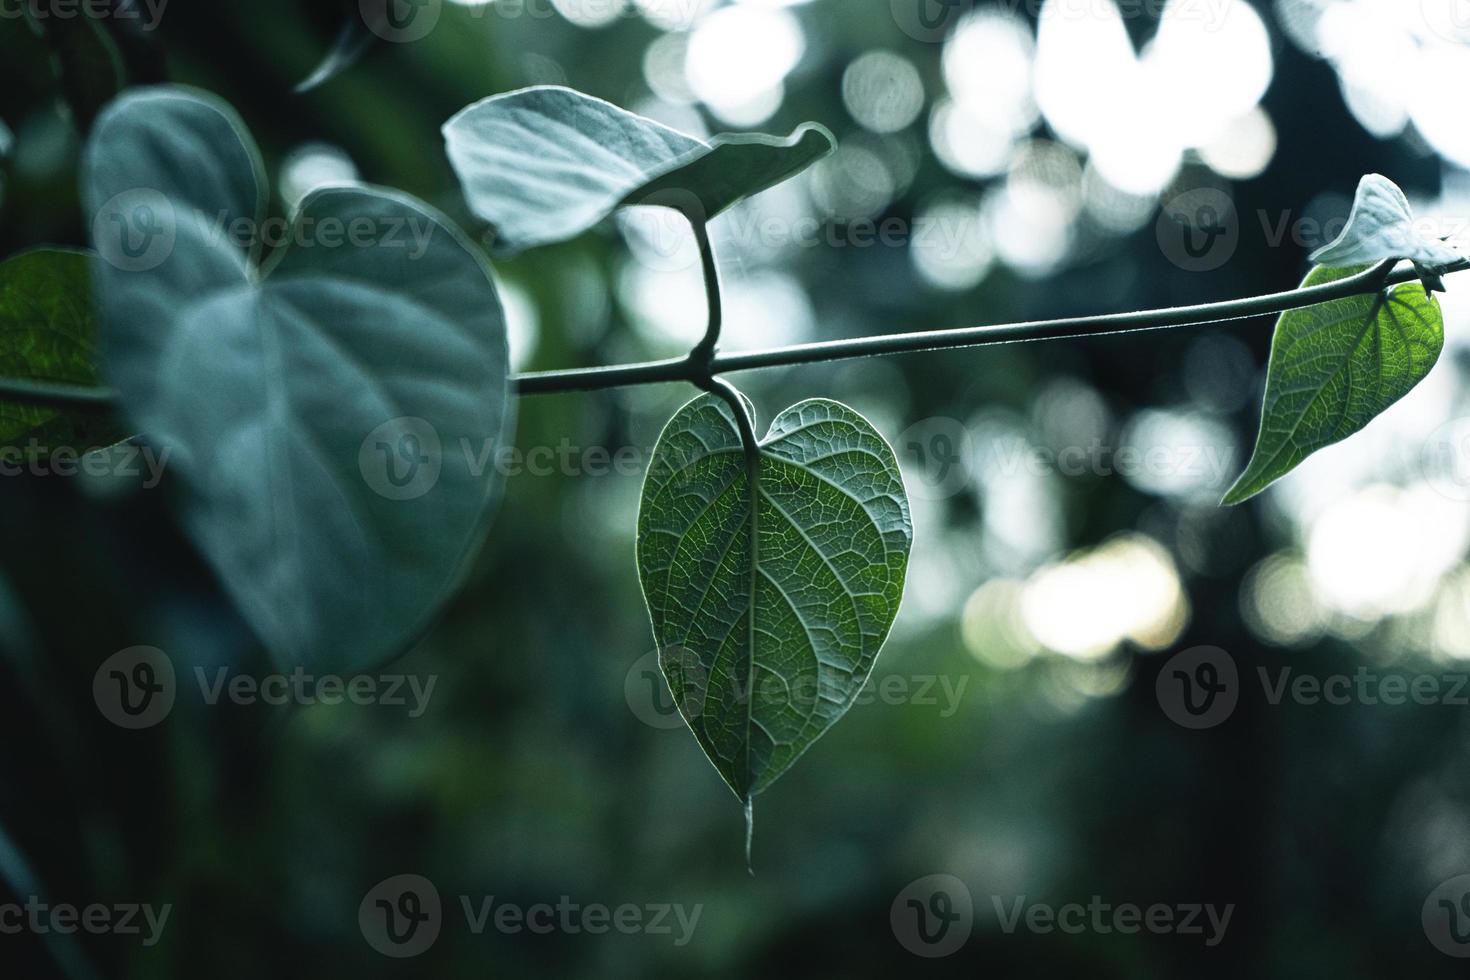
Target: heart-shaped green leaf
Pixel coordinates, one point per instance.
(765, 648)
(330, 417)
(1334, 368)
(1381, 226)
(48, 332)
(545, 164)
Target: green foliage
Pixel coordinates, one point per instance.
(766, 647)
(1334, 368)
(48, 332)
(545, 164)
(357, 385)
(329, 414)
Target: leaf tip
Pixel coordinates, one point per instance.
(749, 833)
(1235, 495)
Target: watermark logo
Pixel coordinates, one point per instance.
(933, 916)
(122, 459)
(1198, 230)
(1445, 459)
(135, 688)
(145, 14)
(659, 238)
(135, 230)
(138, 687)
(401, 21)
(1446, 917)
(401, 459)
(42, 918)
(1101, 917)
(401, 916)
(1198, 688)
(939, 452)
(929, 21)
(648, 694)
(661, 228)
(1450, 19)
(652, 701)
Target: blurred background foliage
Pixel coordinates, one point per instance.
(1044, 160)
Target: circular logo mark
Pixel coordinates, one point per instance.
(1446, 917)
(401, 916)
(659, 229)
(1450, 19)
(1445, 459)
(401, 458)
(649, 695)
(940, 451)
(1199, 687)
(135, 230)
(659, 238)
(929, 21)
(933, 916)
(135, 688)
(1198, 230)
(400, 21)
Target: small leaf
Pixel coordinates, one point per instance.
(48, 332)
(545, 164)
(760, 673)
(1380, 227)
(329, 416)
(1334, 368)
(353, 41)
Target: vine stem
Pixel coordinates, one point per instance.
(1370, 280)
(704, 362)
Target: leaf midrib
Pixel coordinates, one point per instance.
(1289, 442)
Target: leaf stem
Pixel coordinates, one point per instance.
(692, 367)
(55, 394)
(726, 391)
(704, 351)
(1371, 280)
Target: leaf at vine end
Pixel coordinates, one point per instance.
(328, 417)
(352, 42)
(1334, 368)
(1381, 226)
(48, 332)
(544, 164)
(760, 673)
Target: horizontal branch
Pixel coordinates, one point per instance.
(1368, 281)
(692, 368)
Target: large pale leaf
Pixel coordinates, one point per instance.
(48, 332)
(759, 673)
(1334, 368)
(1381, 226)
(545, 164)
(326, 414)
